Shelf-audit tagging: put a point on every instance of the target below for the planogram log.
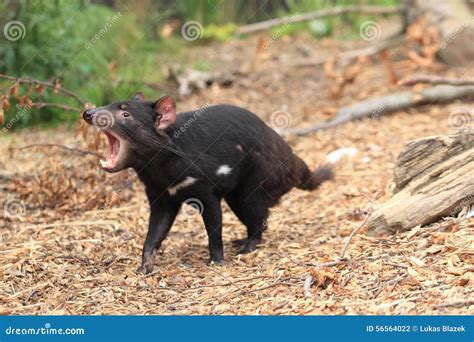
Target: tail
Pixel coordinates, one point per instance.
(312, 180)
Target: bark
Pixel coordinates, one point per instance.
(455, 23)
(434, 178)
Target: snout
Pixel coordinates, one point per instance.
(87, 115)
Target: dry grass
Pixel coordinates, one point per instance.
(75, 248)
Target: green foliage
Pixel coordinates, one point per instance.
(320, 28)
(104, 50)
(202, 65)
(72, 42)
(220, 33)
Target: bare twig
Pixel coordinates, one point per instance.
(327, 12)
(330, 263)
(225, 284)
(383, 105)
(354, 232)
(227, 278)
(309, 278)
(277, 283)
(72, 149)
(40, 105)
(28, 80)
(357, 229)
(431, 79)
(378, 290)
(307, 286)
(395, 265)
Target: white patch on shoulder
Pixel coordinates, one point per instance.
(223, 170)
(187, 182)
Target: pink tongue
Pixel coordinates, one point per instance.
(111, 147)
(116, 147)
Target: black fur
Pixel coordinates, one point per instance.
(263, 168)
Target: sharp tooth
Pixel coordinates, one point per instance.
(103, 163)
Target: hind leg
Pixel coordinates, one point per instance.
(253, 213)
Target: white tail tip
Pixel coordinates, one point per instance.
(335, 156)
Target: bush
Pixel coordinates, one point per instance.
(66, 40)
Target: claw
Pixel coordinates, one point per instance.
(239, 242)
(249, 246)
(145, 268)
(216, 262)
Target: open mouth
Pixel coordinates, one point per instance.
(114, 152)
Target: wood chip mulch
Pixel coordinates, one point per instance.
(75, 240)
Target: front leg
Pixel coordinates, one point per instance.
(161, 219)
(212, 215)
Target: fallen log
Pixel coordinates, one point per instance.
(384, 105)
(327, 12)
(434, 178)
(453, 19)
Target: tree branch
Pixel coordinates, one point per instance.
(437, 80)
(383, 105)
(296, 18)
(28, 80)
(40, 105)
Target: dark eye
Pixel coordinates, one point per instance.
(126, 114)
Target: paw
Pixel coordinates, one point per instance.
(145, 268)
(219, 262)
(239, 242)
(249, 246)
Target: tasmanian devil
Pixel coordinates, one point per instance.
(212, 153)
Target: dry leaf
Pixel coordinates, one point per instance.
(14, 91)
(38, 89)
(57, 86)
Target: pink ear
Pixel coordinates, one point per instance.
(138, 96)
(165, 109)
